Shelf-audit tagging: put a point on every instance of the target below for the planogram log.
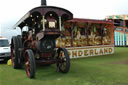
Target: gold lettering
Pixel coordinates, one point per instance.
(110, 50)
(91, 52)
(80, 53)
(105, 50)
(85, 52)
(96, 53)
(101, 51)
(74, 53)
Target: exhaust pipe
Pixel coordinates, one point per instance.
(43, 3)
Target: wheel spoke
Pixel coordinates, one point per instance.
(63, 60)
(63, 66)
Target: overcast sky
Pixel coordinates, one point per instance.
(12, 10)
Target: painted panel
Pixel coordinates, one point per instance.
(119, 38)
(89, 51)
(115, 43)
(123, 40)
(127, 39)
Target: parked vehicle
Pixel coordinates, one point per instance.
(37, 45)
(5, 52)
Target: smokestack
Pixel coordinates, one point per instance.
(43, 3)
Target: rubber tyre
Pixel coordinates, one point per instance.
(61, 61)
(20, 47)
(19, 41)
(14, 53)
(31, 67)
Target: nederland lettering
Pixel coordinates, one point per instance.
(90, 52)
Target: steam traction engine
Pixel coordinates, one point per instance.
(37, 44)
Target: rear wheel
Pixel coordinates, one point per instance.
(14, 53)
(63, 60)
(30, 65)
(20, 48)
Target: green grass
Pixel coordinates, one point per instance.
(97, 70)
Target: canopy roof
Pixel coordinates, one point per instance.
(79, 20)
(86, 22)
(40, 11)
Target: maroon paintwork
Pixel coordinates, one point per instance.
(41, 11)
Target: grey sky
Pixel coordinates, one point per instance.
(13, 10)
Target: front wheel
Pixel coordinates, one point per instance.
(30, 65)
(63, 60)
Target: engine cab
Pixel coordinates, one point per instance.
(45, 25)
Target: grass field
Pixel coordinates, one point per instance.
(100, 70)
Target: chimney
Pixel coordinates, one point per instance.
(43, 3)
